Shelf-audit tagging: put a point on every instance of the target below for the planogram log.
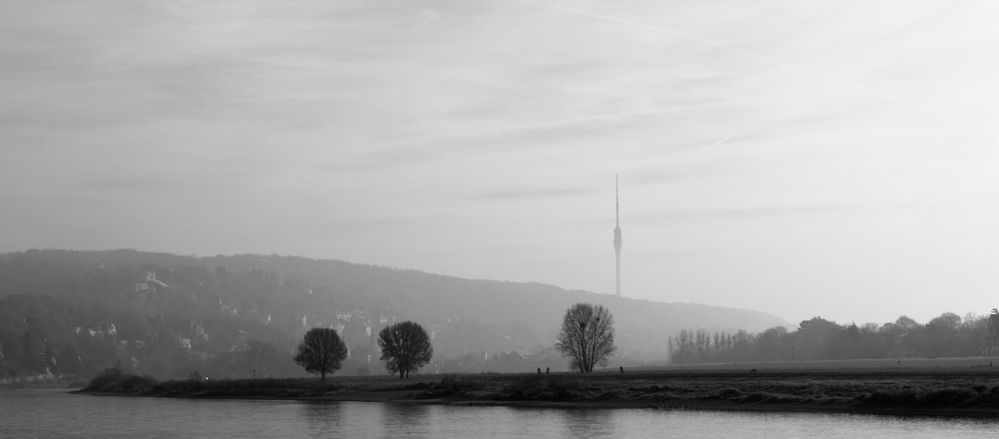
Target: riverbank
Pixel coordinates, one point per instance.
(936, 391)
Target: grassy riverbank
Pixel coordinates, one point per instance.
(954, 390)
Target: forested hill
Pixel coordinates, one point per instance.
(74, 312)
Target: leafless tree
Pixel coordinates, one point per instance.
(587, 336)
(405, 347)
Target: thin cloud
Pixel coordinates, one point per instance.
(734, 214)
(740, 50)
(384, 222)
(532, 193)
(670, 168)
(519, 137)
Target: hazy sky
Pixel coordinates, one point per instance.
(833, 158)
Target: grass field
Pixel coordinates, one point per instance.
(880, 363)
(966, 387)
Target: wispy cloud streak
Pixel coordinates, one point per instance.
(739, 50)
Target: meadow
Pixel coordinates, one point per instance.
(965, 387)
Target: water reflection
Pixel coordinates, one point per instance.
(323, 419)
(31, 414)
(406, 420)
(588, 424)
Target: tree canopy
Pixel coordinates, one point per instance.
(405, 347)
(321, 351)
(587, 336)
(947, 335)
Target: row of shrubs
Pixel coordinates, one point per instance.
(903, 396)
(114, 381)
(553, 388)
(541, 388)
(948, 396)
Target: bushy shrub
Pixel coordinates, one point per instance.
(986, 396)
(112, 380)
(901, 396)
(948, 396)
(453, 385)
(756, 397)
(134, 384)
(103, 379)
(548, 388)
(787, 398)
(773, 397)
(728, 393)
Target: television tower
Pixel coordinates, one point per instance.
(617, 235)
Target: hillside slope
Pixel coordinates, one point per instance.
(168, 315)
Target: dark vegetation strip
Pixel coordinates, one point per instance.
(933, 392)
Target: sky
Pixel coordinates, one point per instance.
(821, 158)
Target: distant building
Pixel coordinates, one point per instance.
(151, 279)
(142, 290)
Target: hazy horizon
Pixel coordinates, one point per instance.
(831, 159)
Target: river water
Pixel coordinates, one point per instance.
(56, 414)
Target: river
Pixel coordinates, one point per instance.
(56, 414)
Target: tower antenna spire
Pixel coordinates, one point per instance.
(617, 235)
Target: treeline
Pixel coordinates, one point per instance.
(947, 335)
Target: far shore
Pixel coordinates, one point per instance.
(921, 391)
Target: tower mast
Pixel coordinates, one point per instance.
(617, 235)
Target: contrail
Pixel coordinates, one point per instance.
(698, 151)
(742, 51)
(711, 145)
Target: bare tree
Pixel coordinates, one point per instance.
(405, 347)
(587, 336)
(321, 351)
